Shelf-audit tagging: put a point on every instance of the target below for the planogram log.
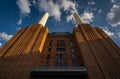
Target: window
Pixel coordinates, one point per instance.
(73, 56)
(64, 44)
(64, 56)
(57, 56)
(60, 43)
(57, 40)
(60, 56)
(72, 50)
(61, 64)
(50, 41)
(50, 44)
(58, 64)
(74, 64)
(64, 64)
(71, 44)
(57, 44)
(49, 50)
(60, 40)
(48, 56)
(60, 49)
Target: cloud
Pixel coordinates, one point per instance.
(69, 18)
(91, 2)
(113, 15)
(118, 34)
(113, 1)
(87, 16)
(109, 33)
(69, 6)
(24, 6)
(100, 11)
(4, 36)
(52, 8)
(0, 44)
(19, 22)
(33, 2)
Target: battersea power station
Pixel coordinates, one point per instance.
(34, 53)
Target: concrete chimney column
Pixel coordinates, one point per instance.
(44, 18)
(78, 19)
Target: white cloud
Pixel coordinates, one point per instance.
(87, 16)
(19, 22)
(24, 6)
(113, 15)
(69, 6)
(109, 33)
(69, 18)
(33, 2)
(91, 2)
(4, 36)
(100, 11)
(113, 1)
(118, 34)
(52, 8)
(0, 44)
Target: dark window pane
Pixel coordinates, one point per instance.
(64, 56)
(61, 64)
(73, 56)
(60, 44)
(60, 40)
(57, 44)
(74, 64)
(60, 49)
(48, 56)
(57, 56)
(64, 64)
(71, 44)
(72, 50)
(50, 44)
(50, 41)
(58, 64)
(49, 49)
(63, 44)
(60, 56)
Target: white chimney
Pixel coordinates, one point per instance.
(44, 18)
(78, 19)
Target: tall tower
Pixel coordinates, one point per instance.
(44, 19)
(100, 54)
(22, 52)
(78, 19)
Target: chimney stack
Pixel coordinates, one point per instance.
(44, 18)
(78, 19)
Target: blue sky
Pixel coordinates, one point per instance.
(16, 14)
